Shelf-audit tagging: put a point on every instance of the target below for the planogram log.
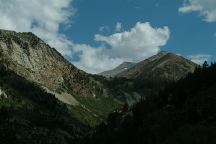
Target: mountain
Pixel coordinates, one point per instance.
(119, 69)
(36, 61)
(46, 99)
(147, 77)
(182, 113)
(163, 66)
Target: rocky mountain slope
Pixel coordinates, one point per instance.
(119, 69)
(36, 61)
(163, 66)
(30, 115)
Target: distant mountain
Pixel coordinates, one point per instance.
(163, 66)
(119, 69)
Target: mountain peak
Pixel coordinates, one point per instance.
(162, 52)
(24, 39)
(164, 65)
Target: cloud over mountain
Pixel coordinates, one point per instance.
(45, 17)
(141, 42)
(42, 17)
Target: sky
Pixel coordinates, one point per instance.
(98, 35)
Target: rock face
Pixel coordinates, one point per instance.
(163, 66)
(119, 69)
(36, 61)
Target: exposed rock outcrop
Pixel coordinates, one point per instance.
(36, 61)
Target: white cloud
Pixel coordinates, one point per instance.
(199, 58)
(139, 43)
(42, 17)
(95, 60)
(118, 27)
(206, 8)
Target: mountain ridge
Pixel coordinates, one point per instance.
(163, 65)
(33, 59)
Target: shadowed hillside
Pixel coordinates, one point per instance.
(30, 115)
(184, 112)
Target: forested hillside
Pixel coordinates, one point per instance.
(183, 113)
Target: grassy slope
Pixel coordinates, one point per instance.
(92, 111)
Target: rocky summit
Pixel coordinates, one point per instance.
(33, 59)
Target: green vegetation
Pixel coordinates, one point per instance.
(131, 91)
(93, 111)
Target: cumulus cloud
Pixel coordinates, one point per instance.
(139, 43)
(95, 60)
(199, 58)
(42, 17)
(206, 8)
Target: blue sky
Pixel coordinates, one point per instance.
(190, 34)
(98, 35)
